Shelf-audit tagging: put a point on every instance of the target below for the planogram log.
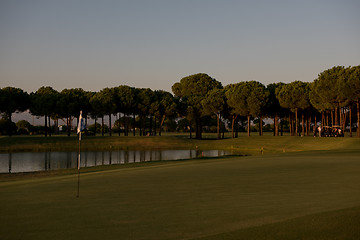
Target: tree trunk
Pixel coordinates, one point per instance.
(56, 122)
(340, 116)
(336, 118)
(198, 127)
(127, 126)
(124, 119)
(236, 128)
(308, 125)
(118, 122)
(110, 124)
(296, 122)
(350, 113)
(86, 130)
(290, 125)
(233, 125)
(154, 125)
(223, 131)
(260, 126)
(45, 126)
(161, 124)
(248, 123)
(68, 126)
(302, 124)
(218, 125)
(95, 126)
(344, 121)
(276, 124)
(358, 118)
(134, 123)
(327, 117)
(102, 125)
(49, 127)
(140, 127)
(151, 125)
(9, 116)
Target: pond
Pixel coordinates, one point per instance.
(45, 161)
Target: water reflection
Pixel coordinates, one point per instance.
(30, 161)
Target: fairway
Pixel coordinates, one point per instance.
(211, 198)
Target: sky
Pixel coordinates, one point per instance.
(153, 44)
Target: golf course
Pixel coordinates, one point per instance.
(270, 188)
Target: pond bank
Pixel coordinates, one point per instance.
(254, 145)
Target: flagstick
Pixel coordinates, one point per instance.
(78, 189)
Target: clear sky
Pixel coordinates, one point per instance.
(151, 43)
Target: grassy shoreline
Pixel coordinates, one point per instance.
(247, 145)
(242, 146)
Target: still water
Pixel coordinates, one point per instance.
(44, 161)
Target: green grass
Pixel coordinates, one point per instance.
(301, 188)
(339, 224)
(64, 143)
(245, 145)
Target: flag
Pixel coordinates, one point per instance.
(81, 124)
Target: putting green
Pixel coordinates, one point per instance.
(181, 200)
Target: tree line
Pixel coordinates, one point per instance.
(331, 99)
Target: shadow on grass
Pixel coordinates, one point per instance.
(339, 224)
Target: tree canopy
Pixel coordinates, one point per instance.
(247, 99)
(335, 93)
(192, 90)
(12, 100)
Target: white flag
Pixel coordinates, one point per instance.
(81, 124)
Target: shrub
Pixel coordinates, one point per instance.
(7, 127)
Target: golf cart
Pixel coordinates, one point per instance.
(333, 131)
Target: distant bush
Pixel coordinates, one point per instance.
(97, 129)
(23, 127)
(34, 130)
(7, 127)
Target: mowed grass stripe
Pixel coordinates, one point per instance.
(181, 200)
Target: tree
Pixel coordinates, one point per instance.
(12, 100)
(107, 97)
(145, 98)
(70, 103)
(257, 100)
(352, 91)
(294, 96)
(247, 99)
(330, 89)
(97, 109)
(43, 103)
(236, 99)
(126, 102)
(191, 90)
(317, 102)
(214, 103)
(273, 108)
(7, 127)
(164, 106)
